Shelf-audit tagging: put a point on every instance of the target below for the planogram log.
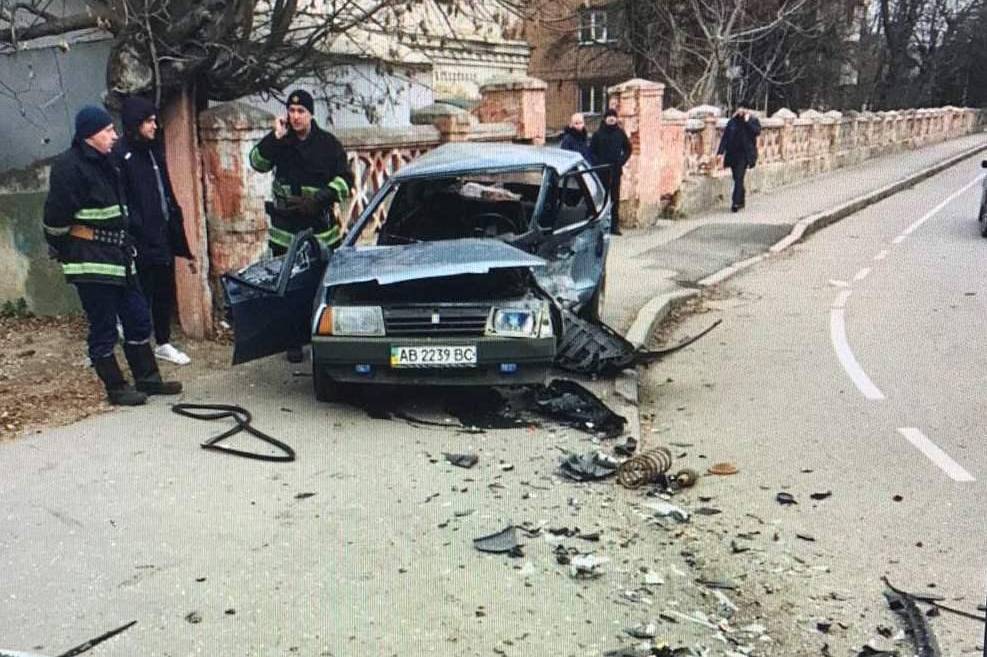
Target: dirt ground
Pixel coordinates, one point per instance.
(45, 378)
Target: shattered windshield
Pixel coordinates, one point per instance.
(478, 204)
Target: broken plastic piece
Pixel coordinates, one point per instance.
(462, 460)
(572, 404)
(643, 631)
(503, 542)
(667, 510)
(786, 499)
(628, 448)
(918, 627)
(588, 467)
(723, 469)
(821, 496)
(586, 566)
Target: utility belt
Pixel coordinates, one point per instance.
(116, 237)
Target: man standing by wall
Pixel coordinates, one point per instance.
(575, 137)
(610, 145)
(156, 222)
(85, 224)
(738, 146)
(311, 174)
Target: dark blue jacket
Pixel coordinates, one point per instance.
(610, 145)
(576, 141)
(158, 236)
(739, 142)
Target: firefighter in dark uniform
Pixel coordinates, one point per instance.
(85, 224)
(311, 174)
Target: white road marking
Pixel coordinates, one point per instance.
(837, 331)
(899, 239)
(936, 455)
(931, 213)
(842, 299)
(862, 274)
(882, 255)
(836, 283)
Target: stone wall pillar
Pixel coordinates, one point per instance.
(234, 192)
(520, 101)
(673, 158)
(453, 124)
(639, 109)
(191, 277)
(786, 140)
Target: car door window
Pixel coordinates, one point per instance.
(576, 199)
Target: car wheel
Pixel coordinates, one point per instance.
(326, 389)
(594, 309)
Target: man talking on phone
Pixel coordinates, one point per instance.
(311, 174)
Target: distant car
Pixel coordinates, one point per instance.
(454, 274)
(983, 203)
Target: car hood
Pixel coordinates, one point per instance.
(408, 262)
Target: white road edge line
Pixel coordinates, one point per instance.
(842, 299)
(936, 455)
(837, 331)
(931, 213)
(862, 274)
(882, 255)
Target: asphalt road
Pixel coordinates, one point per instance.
(852, 363)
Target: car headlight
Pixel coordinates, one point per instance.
(352, 320)
(515, 322)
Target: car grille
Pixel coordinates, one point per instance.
(409, 321)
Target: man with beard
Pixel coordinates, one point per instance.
(611, 146)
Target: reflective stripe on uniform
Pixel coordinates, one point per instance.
(258, 161)
(100, 268)
(330, 236)
(55, 230)
(280, 237)
(310, 191)
(99, 214)
(341, 187)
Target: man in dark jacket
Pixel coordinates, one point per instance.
(85, 225)
(739, 148)
(156, 222)
(610, 145)
(311, 174)
(575, 138)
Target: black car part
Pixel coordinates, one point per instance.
(242, 418)
(572, 404)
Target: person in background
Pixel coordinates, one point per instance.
(575, 138)
(611, 146)
(738, 146)
(156, 221)
(311, 174)
(85, 225)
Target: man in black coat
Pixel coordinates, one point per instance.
(85, 225)
(610, 145)
(739, 150)
(156, 221)
(575, 138)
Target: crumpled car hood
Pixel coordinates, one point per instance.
(408, 262)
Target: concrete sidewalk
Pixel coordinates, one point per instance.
(651, 269)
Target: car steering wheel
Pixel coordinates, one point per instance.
(502, 222)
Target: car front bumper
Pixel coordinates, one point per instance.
(367, 360)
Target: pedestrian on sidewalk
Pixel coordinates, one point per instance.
(611, 146)
(575, 138)
(85, 225)
(739, 150)
(156, 221)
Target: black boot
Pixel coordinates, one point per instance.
(140, 357)
(118, 391)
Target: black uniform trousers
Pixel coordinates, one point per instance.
(611, 178)
(103, 303)
(158, 285)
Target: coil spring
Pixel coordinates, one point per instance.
(644, 468)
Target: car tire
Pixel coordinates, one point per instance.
(326, 389)
(593, 311)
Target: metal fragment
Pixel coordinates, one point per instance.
(644, 468)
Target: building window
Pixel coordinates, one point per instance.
(592, 98)
(593, 27)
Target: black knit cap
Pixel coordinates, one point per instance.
(135, 111)
(301, 97)
(90, 120)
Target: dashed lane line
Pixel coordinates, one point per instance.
(862, 274)
(954, 470)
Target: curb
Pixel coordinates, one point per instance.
(627, 384)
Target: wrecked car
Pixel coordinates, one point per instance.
(456, 273)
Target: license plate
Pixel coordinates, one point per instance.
(434, 356)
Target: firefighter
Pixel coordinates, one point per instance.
(310, 175)
(85, 224)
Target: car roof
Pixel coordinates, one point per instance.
(450, 159)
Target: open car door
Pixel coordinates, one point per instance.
(269, 303)
(576, 225)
